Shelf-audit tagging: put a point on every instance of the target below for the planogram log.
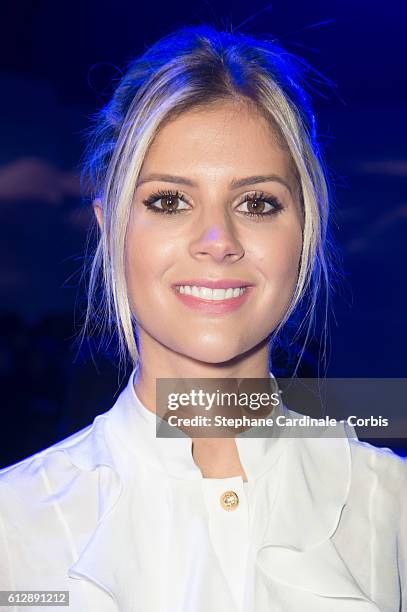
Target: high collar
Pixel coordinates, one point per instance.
(135, 425)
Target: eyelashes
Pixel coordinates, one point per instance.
(169, 199)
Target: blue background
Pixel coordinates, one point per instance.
(58, 62)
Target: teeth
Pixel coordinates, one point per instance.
(205, 293)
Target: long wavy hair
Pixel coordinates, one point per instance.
(192, 67)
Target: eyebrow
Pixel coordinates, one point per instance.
(235, 184)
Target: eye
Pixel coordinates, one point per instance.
(165, 202)
(260, 205)
(168, 202)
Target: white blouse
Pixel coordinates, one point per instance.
(126, 522)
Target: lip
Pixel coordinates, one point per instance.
(213, 284)
(212, 307)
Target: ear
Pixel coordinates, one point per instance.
(97, 209)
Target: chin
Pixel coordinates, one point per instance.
(214, 352)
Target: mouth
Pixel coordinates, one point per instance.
(215, 297)
(216, 291)
(206, 293)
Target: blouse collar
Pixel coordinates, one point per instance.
(135, 426)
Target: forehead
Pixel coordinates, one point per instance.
(230, 136)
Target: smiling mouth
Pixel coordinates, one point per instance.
(209, 294)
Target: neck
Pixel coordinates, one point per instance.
(216, 457)
(160, 362)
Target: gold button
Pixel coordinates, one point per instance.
(229, 500)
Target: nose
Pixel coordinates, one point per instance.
(216, 239)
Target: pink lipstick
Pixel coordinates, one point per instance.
(212, 297)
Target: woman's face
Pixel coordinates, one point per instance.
(214, 167)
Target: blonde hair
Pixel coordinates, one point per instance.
(191, 67)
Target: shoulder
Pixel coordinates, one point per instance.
(380, 465)
(29, 468)
(51, 493)
(49, 502)
(54, 469)
(378, 490)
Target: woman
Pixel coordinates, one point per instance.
(212, 204)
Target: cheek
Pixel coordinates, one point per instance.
(148, 256)
(140, 253)
(279, 255)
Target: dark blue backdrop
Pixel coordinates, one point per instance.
(58, 60)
